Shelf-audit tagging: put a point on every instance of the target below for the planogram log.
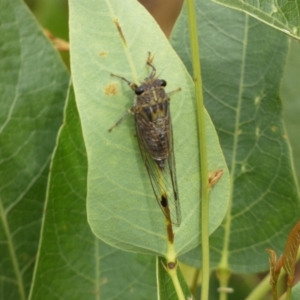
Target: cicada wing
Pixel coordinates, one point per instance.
(164, 183)
(170, 168)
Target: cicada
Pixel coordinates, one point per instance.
(154, 131)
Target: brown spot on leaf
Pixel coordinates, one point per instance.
(116, 21)
(111, 89)
(214, 177)
(102, 53)
(172, 265)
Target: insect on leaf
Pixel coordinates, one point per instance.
(155, 137)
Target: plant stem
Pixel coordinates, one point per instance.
(261, 289)
(176, 283)
(195, 282)
(224, 275)
(288, 293)
(172, 263)
(202, 146)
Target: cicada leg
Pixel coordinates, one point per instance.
(175, 91)
(133, 86)
(121, 119)
(149, 63)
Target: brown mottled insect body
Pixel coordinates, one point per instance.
(154, 122)
(155, 136)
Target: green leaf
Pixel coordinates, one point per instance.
(33, 84)
(283, 15)
(242, 65)
(121, 206)
(290, 91)
(296, 292)
(72, 262)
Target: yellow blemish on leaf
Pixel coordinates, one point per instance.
(214, 177)
(257, 131)
(295, 30)
(274, 9)
(257, 100)
(111, 89)
(116, 21)
(102, 53)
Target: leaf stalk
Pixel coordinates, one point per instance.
(174, 277)
(202, 147)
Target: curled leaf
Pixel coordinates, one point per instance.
(214, 177)
(275, 268)
(290, 253)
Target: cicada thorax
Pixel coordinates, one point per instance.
(152, 118)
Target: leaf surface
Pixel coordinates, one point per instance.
(283, 15)
(290, 91)
(33, 84)
(242, 63)
(296, 292)
(72, 263)
(115, 37)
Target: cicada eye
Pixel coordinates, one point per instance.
(162, 82)
(139, 90)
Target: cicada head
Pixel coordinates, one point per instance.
(151, 91)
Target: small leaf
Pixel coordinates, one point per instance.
(287, 260)
(290, 252)
(275, 268)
